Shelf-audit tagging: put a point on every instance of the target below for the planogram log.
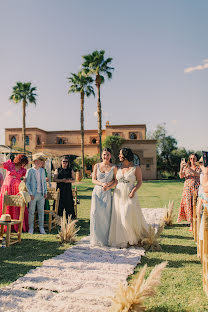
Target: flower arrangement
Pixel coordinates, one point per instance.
(130, 298)
(152, 240)
(68, 231)
(168, 216)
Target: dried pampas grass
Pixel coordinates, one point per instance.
(152, 240)
(130, 298)
(168, 216)
(68, 232)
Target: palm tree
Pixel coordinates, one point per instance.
(81, 83)
(23, 91)
(95, 64)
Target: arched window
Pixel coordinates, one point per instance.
(38, 140)
(136, 160)
(27, 140)
(13, 140)
(60, 141)
(132, 136)
(94, 141)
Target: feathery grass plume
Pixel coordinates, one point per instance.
(152, 240)
(68, 230)
(168, 216)
(130, 298)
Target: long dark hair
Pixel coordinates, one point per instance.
(107, 149)
(21, 159)
(189, 162)
(127, 153)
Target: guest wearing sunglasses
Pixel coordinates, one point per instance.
(64, 176)
(191, 172)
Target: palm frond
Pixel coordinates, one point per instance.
(68, 232)
(168, 216)
(130, 298)
(152, 239)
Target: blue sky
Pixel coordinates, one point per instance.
(160, 55)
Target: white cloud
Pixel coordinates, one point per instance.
(198, 67)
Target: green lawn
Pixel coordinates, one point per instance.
(181, 287)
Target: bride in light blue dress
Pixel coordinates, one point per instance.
(101, 204)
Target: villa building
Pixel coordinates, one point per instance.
(68, 142)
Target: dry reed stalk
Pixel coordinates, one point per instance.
(130, 298)
(168, 216)
(152, 241)
(68, 230)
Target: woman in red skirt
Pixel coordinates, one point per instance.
(14, 172)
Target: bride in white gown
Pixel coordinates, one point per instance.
(128, 225)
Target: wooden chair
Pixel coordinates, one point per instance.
(74, 194)
(17, 201)
(53, 197)
(205, 250)
(194, 217)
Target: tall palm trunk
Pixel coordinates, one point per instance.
(82, 131)
(99, 114)
(23, 122)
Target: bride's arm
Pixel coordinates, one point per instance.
(138, 173)
(114, 182)
(94, 176)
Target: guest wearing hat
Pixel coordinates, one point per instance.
(37, 188)
(64, 176)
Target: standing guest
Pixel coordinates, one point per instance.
(46, 206)
(14, 172)
(103, 177)
(191, 173)
(64, 176)
(128, 225)
(37, 188)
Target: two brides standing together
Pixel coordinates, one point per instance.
(117, 221)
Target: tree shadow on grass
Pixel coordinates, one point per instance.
(18, 259)
(84, 227)
(176, 237)
(151, 262)
(83, 197)
(179, 249)
(164, 309)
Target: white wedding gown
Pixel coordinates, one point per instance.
(128, 225)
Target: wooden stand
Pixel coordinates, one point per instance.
(194, 217)
(205, 251)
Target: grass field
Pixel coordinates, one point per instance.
(181, 286)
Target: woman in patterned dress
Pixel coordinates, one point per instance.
(191, 173)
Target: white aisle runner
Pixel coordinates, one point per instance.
(82, 279)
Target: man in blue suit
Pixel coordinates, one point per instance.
(37, 188)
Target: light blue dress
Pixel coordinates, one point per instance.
(101, 206)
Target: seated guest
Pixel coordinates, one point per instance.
(37, 188)
(14, 172)
(64, 176)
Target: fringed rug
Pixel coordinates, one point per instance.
(82, 279)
